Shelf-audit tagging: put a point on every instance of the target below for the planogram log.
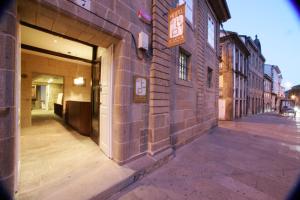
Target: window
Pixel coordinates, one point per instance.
(236, 59)
(188, 9)
(183, 65)
(209, 77)
(211, 31)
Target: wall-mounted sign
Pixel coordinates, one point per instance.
(84, 3)
(176, 26)
(140, 93)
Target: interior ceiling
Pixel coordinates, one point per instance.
(45, 79)
(55, 57)
(40, 39)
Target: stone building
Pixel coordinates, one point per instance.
(277, 92)
(255, 75)
(93, 46)
(267, 92)
(233, 76)
(294, 94)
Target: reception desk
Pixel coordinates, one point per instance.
(78, 116)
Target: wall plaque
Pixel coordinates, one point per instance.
(140, 89)
(176, 20)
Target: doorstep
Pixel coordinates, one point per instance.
(99, 181)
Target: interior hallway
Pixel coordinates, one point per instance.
(55, 158)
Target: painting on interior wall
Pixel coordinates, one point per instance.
(33, 92)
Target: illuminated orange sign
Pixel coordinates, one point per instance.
(176, 26)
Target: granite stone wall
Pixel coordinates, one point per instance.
(8, 38)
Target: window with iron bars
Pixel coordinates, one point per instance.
(183, 65)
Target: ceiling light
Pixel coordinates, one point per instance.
(55, 41)
(50, 80)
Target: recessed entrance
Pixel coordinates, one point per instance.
(66, 96)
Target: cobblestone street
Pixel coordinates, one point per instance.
(257, 157)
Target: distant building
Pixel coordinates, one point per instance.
(277, 90)
(294, 93)
(282, 92)
(255, 75)
(233, 76)
(267, 93)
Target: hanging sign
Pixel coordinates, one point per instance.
(176, 26)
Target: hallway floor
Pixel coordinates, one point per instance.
(56, 161)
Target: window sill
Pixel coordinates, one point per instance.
(186, 83)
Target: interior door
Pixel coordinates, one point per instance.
(106, 79)
(96, 74)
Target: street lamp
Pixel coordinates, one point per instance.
(293, 97)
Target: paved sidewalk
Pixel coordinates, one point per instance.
(257, 157)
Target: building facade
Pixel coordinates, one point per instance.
(180, 84)
(277, 90)
(294, 94)
(255, 75)
(233, 77)
(267, 93)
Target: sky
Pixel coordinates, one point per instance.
(277, 25)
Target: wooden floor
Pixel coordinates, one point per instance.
(53, 154)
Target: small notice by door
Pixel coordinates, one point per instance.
(140, 89)
(84, 3)
(176, 19)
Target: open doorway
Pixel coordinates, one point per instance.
(62, 84)
(46, 97)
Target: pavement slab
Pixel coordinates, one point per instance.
(257, 157)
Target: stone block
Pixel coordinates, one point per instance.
(136, 112)
(159, 110)
(175, 127)
(7, 122)
(154, 148)
(122, 132)
(123, 95)
(123, 77)
(8, 24)
(7, 156)
(67, 6)
(158, 121)
(158, 134)
(7, 184)
(7, 52)
(7, 85)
